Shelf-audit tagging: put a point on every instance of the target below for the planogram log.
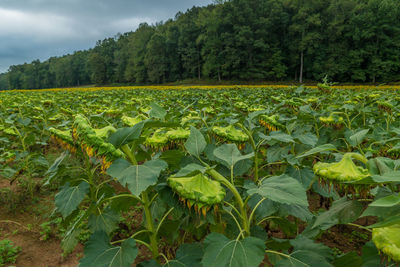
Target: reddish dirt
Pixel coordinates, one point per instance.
(22, 226)
(35, 252)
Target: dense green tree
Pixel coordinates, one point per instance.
(240, 40)
(136, 70)
(156, 59)
(3, 81)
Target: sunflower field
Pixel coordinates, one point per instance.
(213, 175)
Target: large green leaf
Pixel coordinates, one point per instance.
(196, 143)
(389, 221)
(157, 111)
(69, 242)
(382, 212)
(52, 171)
(188, 255)
(69, 198)
(99, 252)
(137, 177)
(318, 149)
(106, 221)
(303, 258)
(70, 239)
(308, 139)
(358, 137)
(126, 135)
(304, 175)
(370, 255)
(389, 201)
(342, 211)
(388, 177)
(380, 165)
(223, 252)
(304, 243)
(282, 189)
(229, 154)
(277, 153)
(348, 259)
(173, 158)
(277, 136)
(190, 169)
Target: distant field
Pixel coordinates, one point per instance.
(209, 87)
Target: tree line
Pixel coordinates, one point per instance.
(239, 40)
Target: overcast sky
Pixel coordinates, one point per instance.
(39, 29)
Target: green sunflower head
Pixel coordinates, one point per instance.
(158, 139)
(230, 133)
(385, 106)
(129, 121)
(198, 191)
(177, 134)
(332, 120)
(271, 122)
(387, 240)
(343, 173)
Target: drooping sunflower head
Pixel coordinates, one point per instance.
(93, 141)
(387, 240)
(129, 121)
(63, 138)
(271, 122)
(240, 105)
(177, 135)
(158, 140)
(254, 108)
(373, 96)
(332, 120)
(294, 104)
(198, 191)
(385, 106)
(105, 132)
(230, 133)
(341, 174)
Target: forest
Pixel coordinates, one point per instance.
(355, 41)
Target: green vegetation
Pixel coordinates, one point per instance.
(8, 252)
(187, 176)
(239, 40)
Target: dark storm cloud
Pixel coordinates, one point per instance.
(38, 29)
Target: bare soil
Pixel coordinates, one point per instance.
(22, 226)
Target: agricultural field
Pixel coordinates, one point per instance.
(201, 176)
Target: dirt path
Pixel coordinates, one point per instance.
(22, 226)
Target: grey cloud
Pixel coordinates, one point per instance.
(38, 29)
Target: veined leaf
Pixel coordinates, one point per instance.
(126, 135)
(99, 252)
(106, 221)
(303, 258)
(196, 143)
(388, 177)
(190, 169)
(230, 155)
(389, 201)
(277, 136)
(69, 198)
(187, 255)
(342, 211)
(223, 252)
(282, 189)
(137, 177)
(318, 149)
(157, 111)
(358, 137)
